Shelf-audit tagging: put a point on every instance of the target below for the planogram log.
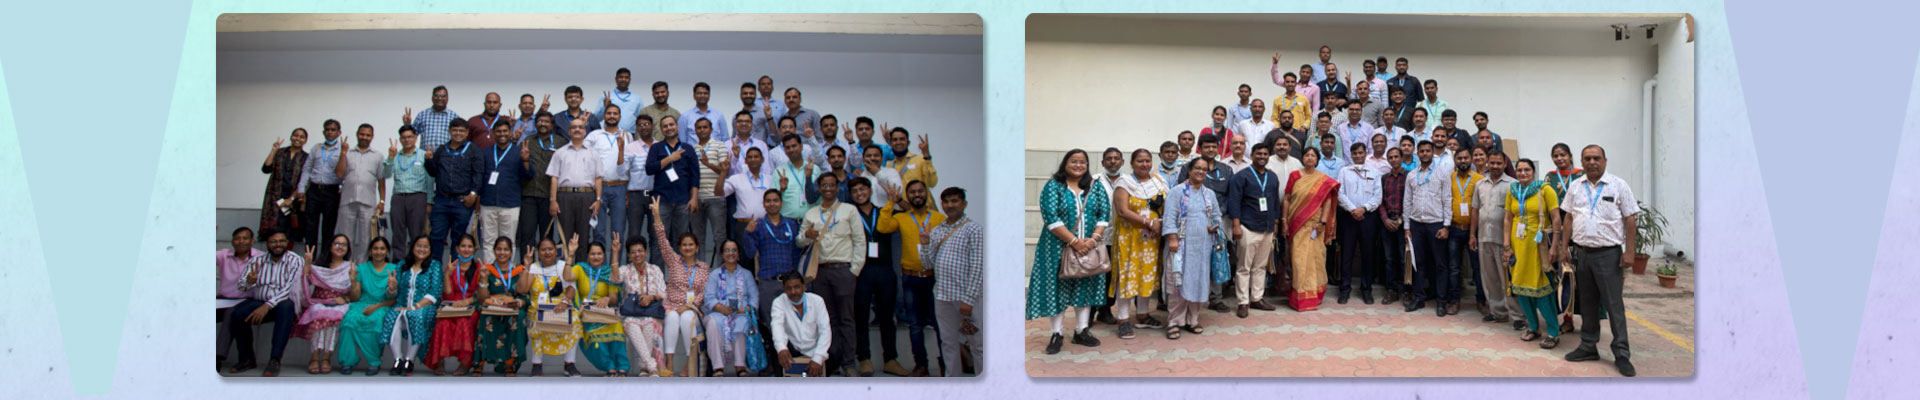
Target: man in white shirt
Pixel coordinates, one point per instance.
(747, 187)
(1284, 165)
(1255, 128)
(886, 180)
(801, 325)
(1359, 226)
(1425, 206)
(610, 143)
(1353, 130)
(1600, 219)
(1241, 111)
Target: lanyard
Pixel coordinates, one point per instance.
(1593, 198)
(547, 143)
(918, 223)
(490, 121)
(595, 275)
(405, 164)
(872, 220)
(1261, 179)
(506, 278)
(788, 228)
(1520, 196)
(501, 155)
(1460, 190)
(796, 172)
(830, 219)
(463, 149)
(1185, 196)
(801, 311)
(624, 96)
(1427, 177)
(758, 182)
(463, 282)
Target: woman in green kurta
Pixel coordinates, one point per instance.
(1530, 209)
(605, 345)
(372, 296)
(1073, 217)
(502, 338)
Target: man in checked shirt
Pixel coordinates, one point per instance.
(955, 247)
(271, 282)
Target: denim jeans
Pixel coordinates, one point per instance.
(449, 220)
(612, 217)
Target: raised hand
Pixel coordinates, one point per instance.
(751, 225)
(606, 98)
(573, 243)
(525, 153)
(783, 182)
(544, 104)
(654, 207)
(527, 256)
(809, 131)
(1276, 57)
(307, 254)
(407, 117)
(277, 142)
(430, 152)
(923, 145)
(392, 150)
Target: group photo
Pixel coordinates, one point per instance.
(602, 195)
(1359, 195)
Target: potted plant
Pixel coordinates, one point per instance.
(1667, 274)
(1652, 228)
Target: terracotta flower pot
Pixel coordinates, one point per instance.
(1640, 264)
(1667, 281)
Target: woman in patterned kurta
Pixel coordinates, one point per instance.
(283, 176)
(1070, 212)
(325, 302)
(411, 322)
(686, 286)
(732, 287)
(605, 345)
(1532, 206)
(453, 337)
(365, 320)
(552, 290)
(1136, 243)
(1190, 231)
(501, 338)
(1558, 178)
(646, 281)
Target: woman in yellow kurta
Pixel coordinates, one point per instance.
(605, 345)
(1136, 244)
(1310, 227)
(552, 292)
(1530, 209)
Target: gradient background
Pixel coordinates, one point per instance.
(106, 137)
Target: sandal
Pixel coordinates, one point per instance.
(743, 373)
(313, 367)
(1173, 333)
(326, 367)
(475, 371)
(716, 372)
(242, 367)
(1196, 329)
(1551, 342)
(1529, 336)
(273, 369)
(508, 369)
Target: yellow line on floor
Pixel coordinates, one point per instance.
(1657, 330)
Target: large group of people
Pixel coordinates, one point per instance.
(769, 238)
(1346, 186)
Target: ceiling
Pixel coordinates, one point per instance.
(549, 39)
(1480, 21)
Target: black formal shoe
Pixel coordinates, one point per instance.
(1392, 296)
(1583, 354)
(1218, 307)
(1343, 297)
(1085, 338)
(1414, 305)
(1367, 297)
(1488, 318)
(1104, 317)
(1262, 305)
(1626, 367)
(1053, 345)
(398, 368)
(1240, 311)
(1519, 325)
(1440, 309)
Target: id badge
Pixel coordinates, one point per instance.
(873, 250)
(1538, 236)
(689, 297)
(1315, 235)
(593, 222)
(493, 178)
(673, 176)
(1518, 228)
(1263, 204)
(1463, 209)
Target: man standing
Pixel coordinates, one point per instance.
(757, 129)
(1458, 238)
(1393, 186)
(1369, 110)
(769, 240)
(912, 167)
(537, 222)
(1320, 70)
(640, 185)
(676, 176)
(609, 145)
(1240, 111)
(863, 133)
(1376, 86)
(1256, 128)
(231, 270)
(1600, 219)
(1355, 131)
(363, 190)
(480, 127)
(878, 289)
(1489, 220)
(434, 121)
(957, 248)
(1484, 137)
(408, 169)
(1252, 208)
(1398, 107)
(806, 121)
(836, 238)
(1432, 102)
(505, 170)
(1406, 82)
(746, 187)
(659, 111)
(793, 171)
(837, 161)
(743, 129)
(626, 100)
(272, 280)
(523, 125)
(690, 120)
(1291, 102)
(574, 184)
(770, 111)
(319, 188)
(565, 118)
(1359, 198)
(886, 179)
(912, 222)
(714, 158)
(1332, 88)
(456, 172)
(1426, 205)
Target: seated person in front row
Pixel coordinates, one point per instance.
(800, 325)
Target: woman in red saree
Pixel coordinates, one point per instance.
(1309, 227)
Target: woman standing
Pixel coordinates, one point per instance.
(411, 324)
(328, 279)
(639, 278)
(1310, 227)
(1136, 244)
(1073, 219)
(730, 293)
(1531, 209)
(1190, 239)
(454, 336)
(502, 337)
(283, 176)
(686, 286)
(1563, 174)
(604, 344)
(365, 321)
(554, 294)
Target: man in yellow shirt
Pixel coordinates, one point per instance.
(1458, 244)
(912, 167)
(1299, 105)
(913, 223)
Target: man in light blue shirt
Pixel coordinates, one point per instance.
(1243, 110)
(1331, 161)
(625, 99)
(407, 167)
(750, 104)
(770, 110)
(701, 93)
(1320, 68)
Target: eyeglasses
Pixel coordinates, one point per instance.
(276, 240)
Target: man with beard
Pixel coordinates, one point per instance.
(834, 233)
(911, 222)
(539, 147)
(272, 280)
(479, 126)
(659, 110)
(456, 172)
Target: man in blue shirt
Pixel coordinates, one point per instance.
(806, 121)
(1253, 209)
(621, 97)
(770, 242)
(1416, 91)
(456, 172)
(573, 97)
(750, 104)
(863, 131)
(770, 109)
(701, 93)
(505, 168)
(676, 175)
(433, 121)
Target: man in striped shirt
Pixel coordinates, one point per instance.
(270, 284)
(955, 247)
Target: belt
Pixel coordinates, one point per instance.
(576, 190)
(743, 220)
(1589, 248)
(835, 265)
(613, 183)
(643, 192)
(917, 274)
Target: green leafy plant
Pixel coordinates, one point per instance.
(1652, 228)
(1666, 268)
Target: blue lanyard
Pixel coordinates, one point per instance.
(490, 121)
(547, 143)
(501, 155)
(405, 163)
(463, 282)
(871, 221)
(758, 182)
(918, 223)
(326, 156)
(463, 149)
(1261, 179)
(801, 307)
(1520, 197)
(788, 228)
(1593, 199)
(1460, 190)
(1185, 196)
(1428, 177)
(595, 275)
(506, 278)
(624, 96)
(830, 219)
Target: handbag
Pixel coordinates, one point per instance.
(447, 310)
(630, 306)
(756, 353)
(545, 320)
(1075, 264)
(1222, 266)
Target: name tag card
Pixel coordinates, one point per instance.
(672, 176)
(873, 250)
(1463, 209)
(1263, 204)
(493, 178)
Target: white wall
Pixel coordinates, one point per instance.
(1095, 82)
(1673, 136)
(263, 95)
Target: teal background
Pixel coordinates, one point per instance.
(106, 130)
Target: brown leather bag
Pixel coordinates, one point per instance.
(1080, 265)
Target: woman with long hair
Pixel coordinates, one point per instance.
(1074, 219)
(604, 344)
(328, 281)
(454, 336)
(417, 291)
(501, 339)
(371, 299)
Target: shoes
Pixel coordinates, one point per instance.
(1487, 318)
(1218, 307)
(866, 368)
(1626, 367)
(1519, 324)
(1343, 297)
(1583, 354)
(273, 369)
(571, 371)
(1392, 296)
(1262, 305)
(1483, 308)
(1085, 338)
(919, 372)
(1414, 304)
(1104, 317)
(537, 371)
(1453, 308)
(1053, 344)
(1125, 331)
(1240, 311)
(1367, 297)
(893, 367)
(1440, 310)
